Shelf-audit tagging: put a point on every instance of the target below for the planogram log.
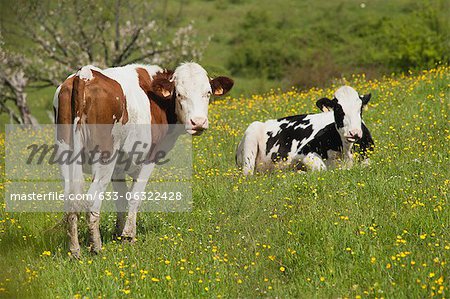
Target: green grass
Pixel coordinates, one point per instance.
(377, 231)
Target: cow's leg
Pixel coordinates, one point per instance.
(73, 182)
(140, 181)
(74, 244)
(102, 173)
(347, 155)
(73, 186)
(313, 162)
(333, 160)
(120, 186)
(72, 215)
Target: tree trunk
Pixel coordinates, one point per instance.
(21, 103)
(17, 82)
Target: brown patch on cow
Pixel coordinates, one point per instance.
(103, 102)
(161, 84)
(163, 87)
(162, 109)
(221, 85)
(99, 101)
(163, 115)
(64, 98)
(145, 82)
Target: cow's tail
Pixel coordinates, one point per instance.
(68, 103)
(77, 106)
(247, 150)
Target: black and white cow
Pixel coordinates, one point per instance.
(305, 141)
(365, 144)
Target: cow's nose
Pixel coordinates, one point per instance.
(199, 122)
(356, 134)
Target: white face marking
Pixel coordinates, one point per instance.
(193, 91)
(351, 106)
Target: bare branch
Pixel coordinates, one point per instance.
(72, 33)
(44, 46)
(147, 55)
(85, 40)
(11, 113)
(7, 98)
(40, 86)
(56, 39)
(117, 26)
(127, 50)
(101, 28)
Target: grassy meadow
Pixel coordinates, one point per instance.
(381, 231)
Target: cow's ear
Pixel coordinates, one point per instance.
(325, 104)
(163, 87)
(221, 85)
(365, 98)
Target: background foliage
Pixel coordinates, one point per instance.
(266, 44)
(368, 232)
(340, 37)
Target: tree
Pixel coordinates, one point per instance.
(61, 37)
(12, 87)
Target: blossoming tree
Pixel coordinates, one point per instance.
(58, 38)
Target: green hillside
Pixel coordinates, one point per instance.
(376, 231)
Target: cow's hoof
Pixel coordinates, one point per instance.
(75, 254)
(128, 239)
(366, 162)
(95, 250)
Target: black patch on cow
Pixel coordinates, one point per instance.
(338, 115)
(325, 103)
(365, 98)
(326, 139)
(366, 143)
(288, 133)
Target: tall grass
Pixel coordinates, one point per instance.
(376, 231)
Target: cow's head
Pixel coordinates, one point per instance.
(347, 108)
(191, 88)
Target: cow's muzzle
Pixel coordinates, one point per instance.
(197, 125)
(353, 136)
(195, 132)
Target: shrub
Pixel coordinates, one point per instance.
(341, 38)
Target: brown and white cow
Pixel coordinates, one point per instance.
(120, 98)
